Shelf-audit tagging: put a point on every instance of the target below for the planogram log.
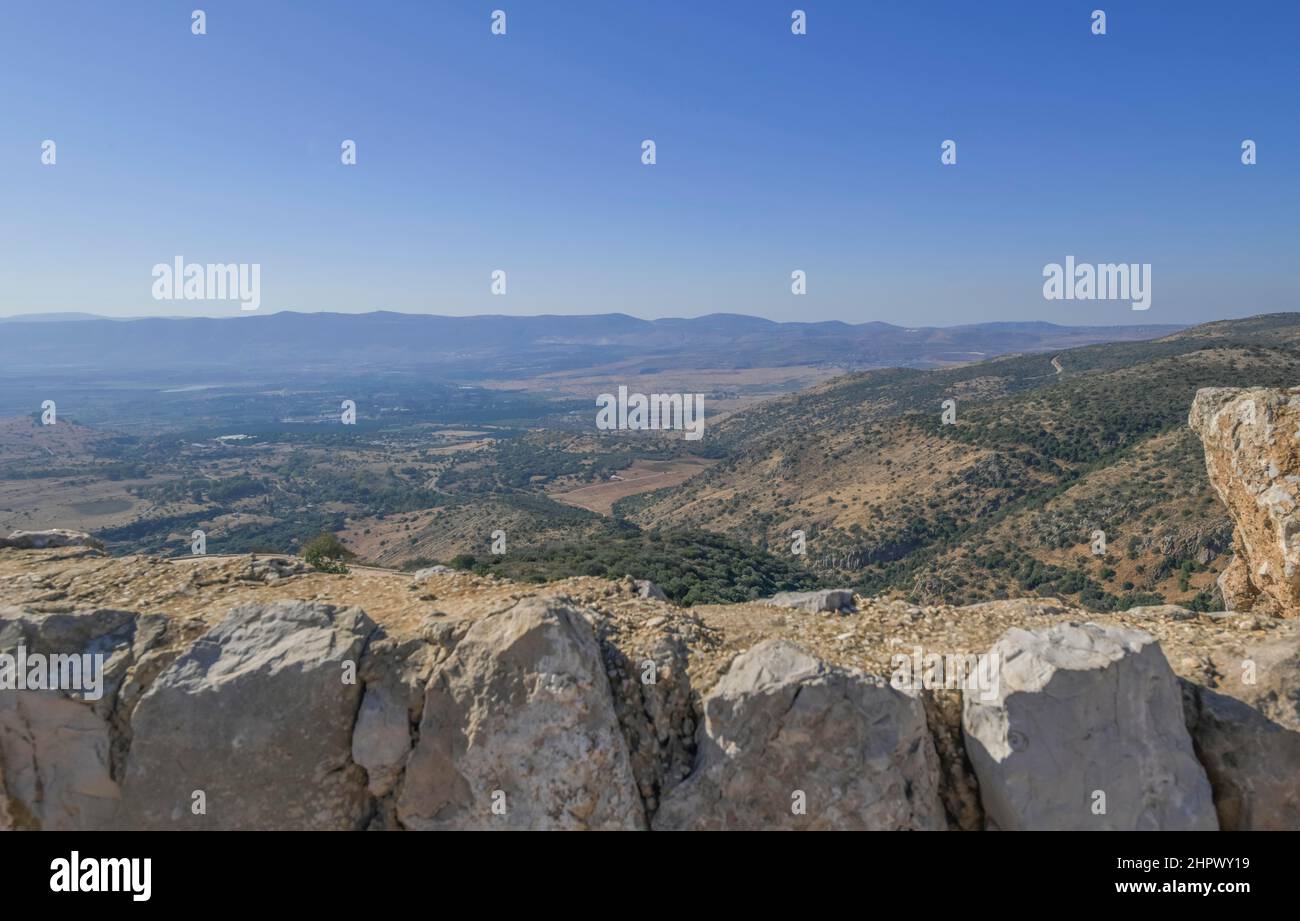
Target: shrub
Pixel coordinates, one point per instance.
(326, 553)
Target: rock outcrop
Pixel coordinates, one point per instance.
(420, 576)
(54, 537)
(56, 755)
(588, 707)
(519, 732)
(790, 742)
(1084, 731)
(252, 727)
(1252, 456)
(826, 601)
(647, 589)
(61, 749)
(271, 569)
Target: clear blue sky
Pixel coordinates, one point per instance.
(775, 152)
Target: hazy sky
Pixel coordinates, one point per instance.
(775, 152)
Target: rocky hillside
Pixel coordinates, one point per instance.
(1043, 452)
(253, 692)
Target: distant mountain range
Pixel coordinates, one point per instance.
(490, 346)
(51, 317)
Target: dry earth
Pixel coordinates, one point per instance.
(641, 476)
(206, 588)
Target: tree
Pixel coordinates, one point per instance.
(326, 553)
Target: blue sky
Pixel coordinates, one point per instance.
(775, 153)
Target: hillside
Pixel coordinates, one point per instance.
(1045, 450)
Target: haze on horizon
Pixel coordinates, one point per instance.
(522, 152)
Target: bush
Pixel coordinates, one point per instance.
(326, 553)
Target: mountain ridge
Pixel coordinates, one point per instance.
(481, 344)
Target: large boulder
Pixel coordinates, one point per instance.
(1252, 762)
(1083, 729)
(271, 569)
(54, 537)
(791, 742)
(420, 576)
(1252, 456)
(251, 728)
(649, 590)
(830, 601)
(519, 731)
(61, 745)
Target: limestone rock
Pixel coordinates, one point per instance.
(122, 638)
(1084, 730)
(1171, 611)
(56, 753)
(395, 675)
(1234, 583)
(647, 589)
(257, 715)
(1252, 456)
(826, 600)
(54, 537)
(421, 575)
(62, 747)
(271, 569)
(782, 728)
(1017, 608)
(519, 731)
(1253, 763)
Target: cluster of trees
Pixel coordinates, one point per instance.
(204, 489)
(523, 463)
(692, 567)
(1037, 577)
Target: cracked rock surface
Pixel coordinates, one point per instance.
(1084, 731)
